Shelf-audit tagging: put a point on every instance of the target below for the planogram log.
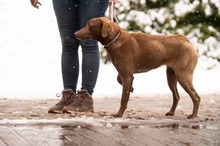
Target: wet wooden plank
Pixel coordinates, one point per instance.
(11, 138)
(195, 136)
(121, 136)
(2, 143)
(30, 136)
(152, 136)
(78, 136)
(184, 135)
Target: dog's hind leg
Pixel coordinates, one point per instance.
(185, 79)
(172, 83)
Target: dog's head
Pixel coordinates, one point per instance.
(100, 29)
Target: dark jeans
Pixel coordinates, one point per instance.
(73, 15)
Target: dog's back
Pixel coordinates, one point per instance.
(167, 50)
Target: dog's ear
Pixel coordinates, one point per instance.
(106, 29)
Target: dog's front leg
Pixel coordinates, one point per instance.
(126, 89)
(120, 82)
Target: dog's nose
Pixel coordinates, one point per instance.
(76, 34)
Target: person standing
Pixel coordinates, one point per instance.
(71, 16)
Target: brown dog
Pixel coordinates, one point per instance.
(138, 52)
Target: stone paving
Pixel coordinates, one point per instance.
(27, 123)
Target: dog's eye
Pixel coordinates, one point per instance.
(94, 26)
(90, 24)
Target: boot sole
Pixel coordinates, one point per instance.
(55, 112)
(75, 112)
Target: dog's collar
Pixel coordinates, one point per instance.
(106, 46)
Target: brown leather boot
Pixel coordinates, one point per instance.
(82, 103)
(68, 97)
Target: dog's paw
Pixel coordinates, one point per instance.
(169, 114)
(116, 115)
(191, 116)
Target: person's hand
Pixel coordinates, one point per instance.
(35, 3)
(114, 1)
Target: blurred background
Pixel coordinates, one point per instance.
(30, 47)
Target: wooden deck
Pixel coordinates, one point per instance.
(143, 124)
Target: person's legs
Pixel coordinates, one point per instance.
(71, 16)
(90, 51)
(66, 12)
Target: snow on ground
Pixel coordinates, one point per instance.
(30, 59)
